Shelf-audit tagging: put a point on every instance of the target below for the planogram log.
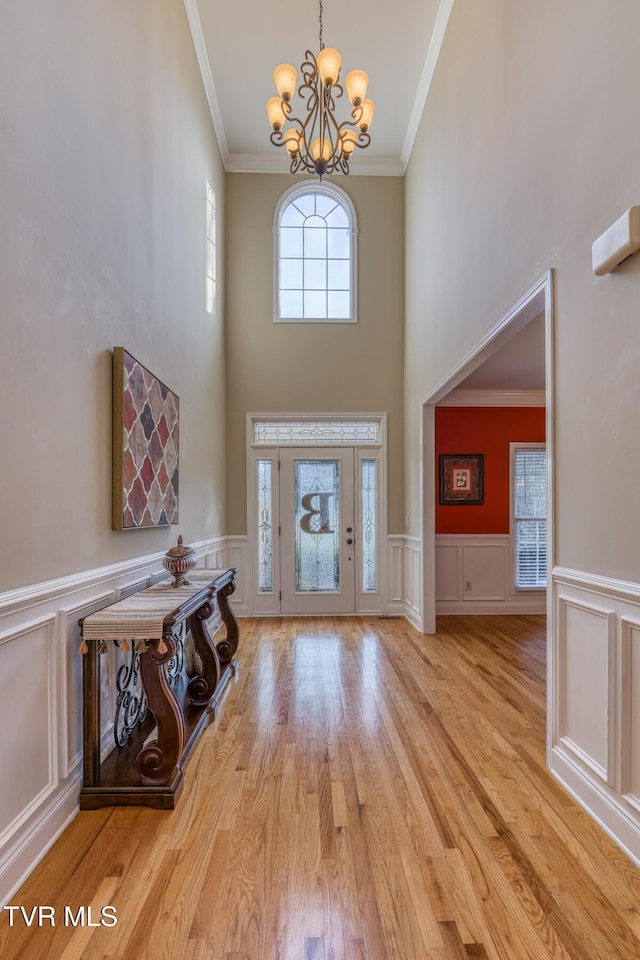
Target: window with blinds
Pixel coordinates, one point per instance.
(529, 473)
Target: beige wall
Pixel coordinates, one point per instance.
(306, 368)
(106, 145)
(528, 149)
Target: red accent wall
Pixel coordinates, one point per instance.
(487, 430)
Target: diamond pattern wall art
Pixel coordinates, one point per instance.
(145, 447)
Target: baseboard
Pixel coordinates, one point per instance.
(600, 803)
(414, 617)
(490, 607)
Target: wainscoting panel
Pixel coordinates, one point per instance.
(395, 575)
(449, 572)
(594, 691)
(404, 579)
(630, 711)
(41, 698)
(237, 556)
(585, 638)
(413, 581)
(473, 575)
(28, 713)
(485, 570)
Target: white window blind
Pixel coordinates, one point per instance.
(530, 517)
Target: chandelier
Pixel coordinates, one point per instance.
(319, 143)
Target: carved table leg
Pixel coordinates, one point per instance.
(229, 644)
(202, 688)
(157, 762)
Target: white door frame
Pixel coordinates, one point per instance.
(538, 299)
(370, 603)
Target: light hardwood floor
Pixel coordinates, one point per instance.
(365, 793)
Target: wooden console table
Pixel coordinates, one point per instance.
(168, 687)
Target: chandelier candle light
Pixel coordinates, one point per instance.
(319, 143)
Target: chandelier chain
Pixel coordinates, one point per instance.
(320, 20)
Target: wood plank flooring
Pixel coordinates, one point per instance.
(366, 794)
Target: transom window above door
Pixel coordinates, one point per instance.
(299, 432)
(315, 234)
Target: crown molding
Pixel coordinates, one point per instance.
(268, 163)
(193, 17)
(437, 37)
(493, 398)
(279, 163)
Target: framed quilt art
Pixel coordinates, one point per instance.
(145, 447)
(461, 478)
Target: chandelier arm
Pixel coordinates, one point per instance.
(364, 137)
(332, 130)
(309, 69)
(356, 113)
(309, 126)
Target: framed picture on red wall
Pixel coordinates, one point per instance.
(461, 478)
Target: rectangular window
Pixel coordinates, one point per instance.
(211, 251)
(322, 432)
(529, 503)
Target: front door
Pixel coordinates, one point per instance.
(317, 517)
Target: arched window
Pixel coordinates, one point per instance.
(315, 255)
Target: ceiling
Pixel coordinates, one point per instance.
(239, 42)
(518, 365)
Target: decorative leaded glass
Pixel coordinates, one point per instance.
(317, 526)
(265, 528)
(301, 432)
(368, 534)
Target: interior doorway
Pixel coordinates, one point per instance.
(538, 300)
